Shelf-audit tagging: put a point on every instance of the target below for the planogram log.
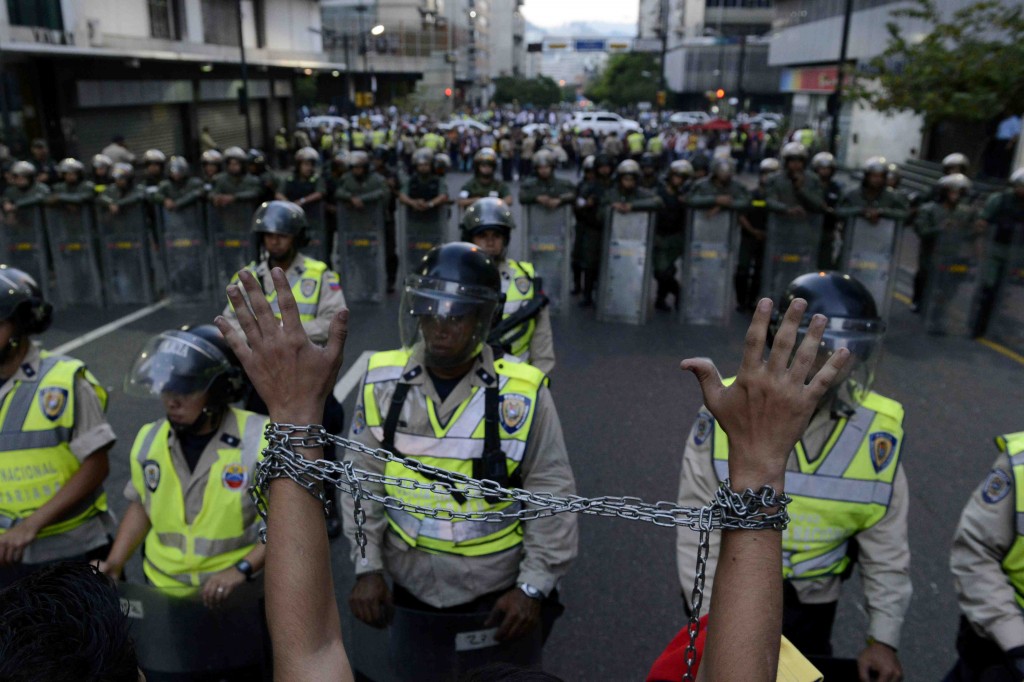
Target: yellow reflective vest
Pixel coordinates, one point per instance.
(844, 491)
(225, 529)
(518, 293)
(37, 419)
(305, 288)
(635, 141)
(453, 447)
(1013, 563)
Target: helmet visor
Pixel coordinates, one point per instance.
(451, 320)
(863, 338)
(175, 362)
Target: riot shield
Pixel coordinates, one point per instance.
(416, 233)
(359, 252)
(316, 233)
(72, 237)
(23, 244)
(175, 633)
(124, 249)
(230, 235)
(548, 235)
(712, 246)
(624, 288)
(871, 255)
(1006, 325)
(791, 250)
(951, 295)
(430, 647)
(184, 245)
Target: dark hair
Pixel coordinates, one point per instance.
(65, 623)
(506, 672)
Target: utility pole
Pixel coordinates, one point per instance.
(243, 94)
(740, 95)
(837, 95)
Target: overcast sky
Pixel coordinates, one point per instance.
(547, 13)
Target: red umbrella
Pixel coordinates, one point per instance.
(717, 124)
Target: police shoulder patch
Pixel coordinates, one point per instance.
(234, 476)
(513, 410)
(308, 286)
(358, 421)
(997, 486)
(151, 474)
(52, 401)
(703, 428)
(883, 445)
(523, 284)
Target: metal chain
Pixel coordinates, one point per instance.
(764, 509)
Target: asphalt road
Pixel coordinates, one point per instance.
(626, 410)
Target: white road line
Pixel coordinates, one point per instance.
(352, 377)
(107, 328)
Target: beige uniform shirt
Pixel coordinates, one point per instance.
(90, 434)
(541, 353)
(884, 558)
(332, 299)
(983, 537)
(443, 580)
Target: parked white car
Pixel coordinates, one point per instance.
(470, 123)
(603, 123)
(689, 118)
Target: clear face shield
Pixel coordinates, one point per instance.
(451, 320)
(863, 338)
(177, 364)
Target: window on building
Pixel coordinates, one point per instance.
(164, 18)
(220, 22)
(36, 13)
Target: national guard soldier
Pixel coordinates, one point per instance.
(951, 214)
(873, 200)
(989, 574)
(281, 147)
(720, 190)
(649, 172)
(360, 186)
(823, 164)
(153, 162)
(52, 503)
(187, 497)
(304, 185)
(626, 195)
(423, 190)
(382, 168)
(1002, 219)
(73, 188)
(280, 227)
(442, 164)
(179, 190)
(449, 304)
(894, 181)
(338, 169)
(545, 188)
(234, 184)
(753, 230)
(124, 191)
(670, 231)
(846, 484)
(588, 225)
(258, 169)
(210, 165)
(100, 165)
(701, 165)
(794, 190)
(46, 170)
(26, 191)
(484, 182)
(525, 327)
(951, 165)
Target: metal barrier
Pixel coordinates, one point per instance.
(871, 255)
(548, 236)
(626, 264)
(359, 252)
(124, 253)
(71, 234)
(184, 246)
(712, 246)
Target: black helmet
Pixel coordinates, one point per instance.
(21, 302)
(647, 160)
(832, 294)
(488, 213)
(381, 152)
(701, 163)
(279, 217)
(603, 159)
(184, 361)
(455, 285)
(257, 157)
(230, 386)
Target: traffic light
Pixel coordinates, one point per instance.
(720, 93)
(447, 92)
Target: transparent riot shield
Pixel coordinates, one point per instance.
(23, 244)
(416, 233)
(791, 250)
(229, 230)
(951, 296)
(548, 236)
(871, 255)
(71, 235)
(175, 633)
(317, 246)
(359, 252)
(124, 249)
(1006, 325)
(624, 289)
(455, 229)
(421, 646)
(712, 246)
(185, 249)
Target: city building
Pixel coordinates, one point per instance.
(158, 72)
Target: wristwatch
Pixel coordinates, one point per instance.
(245, 568)
(531, 591)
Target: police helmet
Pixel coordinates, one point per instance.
(178, 165)
(793, 150)
(70, 165)
(423, 155)
(603, 159)
(723, 168)
(307, 154)
(22, 302)
(442, 162)
(588, 162)
(101, 161)
(122, 171)
(875, 164)
(823, 160)
(955, 160)
(381, 152)
(211, 156)
(186, 361)
(23, 169)
(485, 155)
(235, 154)
(256, 157)
(280, 217)
(681, 167)
(628, 167)
(1017, 179)
(340, 160)
(153, 156)
(543, 159)
(955, 181)
(769, 165)
(359, 159)
(647, 160)
(488, 213)
(453, 284)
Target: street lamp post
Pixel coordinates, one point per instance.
(243, 95)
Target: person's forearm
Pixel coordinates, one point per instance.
(130, 534)
(82, 483)
(257, 557)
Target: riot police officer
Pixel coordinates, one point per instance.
(211, 162)
(26, 192)
(626, 194)
(304, 186)
(52, 503)
(649, 172)
(545, 188)
(124, 192)
(670, 232)
(382, 168)
(525, 326)
(361, 187)
(588, 225)
(720, 190)
(1002, 219)
(953, 216)
(423, 190)
(234, 184)
(873, 200)
(73, 188)
(100, 165)
(794, 190)
(847, 485)
(484, 182)
(823, 164)
(442, 164)
(179, 190)
(257, 161)
(951, 165)
(153, 163)
(753, 230)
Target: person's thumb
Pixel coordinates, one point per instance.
(707, 376)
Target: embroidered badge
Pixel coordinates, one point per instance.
(513, 410)
(358, 421)
(883, 445)
(52, 401)
(703, 428)
(996, 487)
(308, 287)
(523, 284)
(151, 474)
(234, 477)
(332, 282)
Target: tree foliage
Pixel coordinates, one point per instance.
(967, 66)
(627, 78)
(539, 92)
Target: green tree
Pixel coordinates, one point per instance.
(627, 78)
(968, 66)
(539, 92)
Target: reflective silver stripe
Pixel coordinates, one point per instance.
(23, 396)
(449, 448)
(838, 489)
(722, 469)
(251, 440)
(846, 447)
(829, 558)
(380, 374)
(1020, 523)
(147, 443)
(183, 578)
(450, 531)
(7, 522)
(214, 547)
(474, 413)
(176, 541)
(27, 440)
(514, 306)
(304, 308)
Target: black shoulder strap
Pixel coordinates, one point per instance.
(391, 420)
(492, 465)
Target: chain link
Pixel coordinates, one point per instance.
(764, 509)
